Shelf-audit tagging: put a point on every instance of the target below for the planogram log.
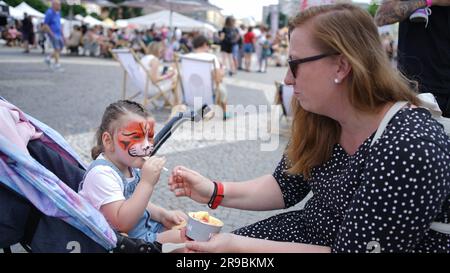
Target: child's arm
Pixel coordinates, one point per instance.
(124, 214)
(168, 218)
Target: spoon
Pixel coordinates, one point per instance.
(169, 247)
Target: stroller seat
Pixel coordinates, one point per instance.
(21, 222)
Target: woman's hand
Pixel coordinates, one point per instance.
(219, 243)
(186, 182)
(151, 169)
(173, 218)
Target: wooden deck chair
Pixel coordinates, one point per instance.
(283, 98)
(197, 81)
(133, 69)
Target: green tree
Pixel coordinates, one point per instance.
(96, 16)
(77, 9)
(36, 4)
(372, 9)
(282, 20)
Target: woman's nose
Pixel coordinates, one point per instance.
(289, 78)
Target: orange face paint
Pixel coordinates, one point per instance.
(137, 138)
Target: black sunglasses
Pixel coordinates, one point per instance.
(293, 64)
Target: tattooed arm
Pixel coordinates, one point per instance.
(392, 11)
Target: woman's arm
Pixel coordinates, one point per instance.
(267, 192)
(393, 11)
(262, 193)
(154, 72)
(231, 243)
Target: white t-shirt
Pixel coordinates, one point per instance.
(102, 185)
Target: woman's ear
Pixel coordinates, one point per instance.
(108, 142)
(343, 68)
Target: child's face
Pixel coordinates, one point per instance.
(135, 139)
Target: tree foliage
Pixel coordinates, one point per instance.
(36, 4)
(372, 9)
(77, 9)
(282, 20)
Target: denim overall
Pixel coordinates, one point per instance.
(146, 228)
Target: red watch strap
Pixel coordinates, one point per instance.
(217, 199)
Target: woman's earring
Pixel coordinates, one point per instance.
(336, 81)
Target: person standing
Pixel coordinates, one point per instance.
(41, 37)
(423, 45)
(229, 38)
(249, 47)
(27, 32)
(52, 26)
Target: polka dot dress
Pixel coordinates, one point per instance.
(382, 198)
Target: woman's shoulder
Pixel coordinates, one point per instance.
(411, 126)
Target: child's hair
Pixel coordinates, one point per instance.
(112, 113)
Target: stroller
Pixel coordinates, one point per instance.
(40, 207)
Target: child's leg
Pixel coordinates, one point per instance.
(170, 236)
(264, 64)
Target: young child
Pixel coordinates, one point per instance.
(266, 52)
(119, 182)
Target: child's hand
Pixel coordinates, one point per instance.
(173, 218)
(151, 169)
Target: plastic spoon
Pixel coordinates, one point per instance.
(169, 247)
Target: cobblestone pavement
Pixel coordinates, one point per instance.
(73, 101)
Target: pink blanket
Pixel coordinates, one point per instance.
(15, 126)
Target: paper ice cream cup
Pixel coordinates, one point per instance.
(199, 230)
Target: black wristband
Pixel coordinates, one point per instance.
(213, 196)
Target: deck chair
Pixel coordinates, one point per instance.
(133, 68)
(283, 98)
(197, 81)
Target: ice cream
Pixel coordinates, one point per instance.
(201, 226)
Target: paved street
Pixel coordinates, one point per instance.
(73, 101)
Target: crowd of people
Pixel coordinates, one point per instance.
(241, 48)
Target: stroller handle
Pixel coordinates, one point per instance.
(172, 125)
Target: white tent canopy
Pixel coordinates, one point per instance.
(121, 23)
(25, 8)
(16, 14)
(91, 21)
(162, 18)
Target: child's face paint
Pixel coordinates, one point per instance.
(136, 138)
